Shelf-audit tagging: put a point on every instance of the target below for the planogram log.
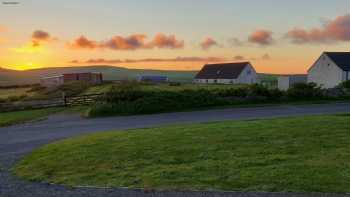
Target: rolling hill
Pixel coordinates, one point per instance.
(12, 77)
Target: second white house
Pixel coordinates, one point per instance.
(228, 73)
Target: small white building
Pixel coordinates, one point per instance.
(53, 81)
(331, 69)
(287, 81)
(228, 73)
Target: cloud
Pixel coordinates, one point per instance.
(177, 59)
(261, 37)
(207, 43)
(332, 31)
(40, 35)
(239, 58)
(83, 43)
(132, 42)
(35, 45)
(163, 41)
(235, 42)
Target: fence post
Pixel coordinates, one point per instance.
(64, 97)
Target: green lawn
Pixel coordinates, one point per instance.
(306, 154)
(10, 118)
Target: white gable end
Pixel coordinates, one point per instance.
(248, 75)
(325, 73)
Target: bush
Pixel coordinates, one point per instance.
(305, 91)
(16, 98)
(346, 85)
(175, 84)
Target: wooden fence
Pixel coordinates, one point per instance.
(58, 102)
(81, 100)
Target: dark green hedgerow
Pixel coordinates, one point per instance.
(129, 98)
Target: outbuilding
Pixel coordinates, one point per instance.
(227, 73)
(287, 81)
(153, 79)
(54, 81)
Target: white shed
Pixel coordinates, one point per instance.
(287, 81)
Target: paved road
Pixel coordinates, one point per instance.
(18, 140)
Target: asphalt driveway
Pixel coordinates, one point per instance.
(15, 141)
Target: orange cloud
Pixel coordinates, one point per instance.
(177, 59)
(207, 43)
(83, 43)
(261, 37)
(132, 42)
(164, 41)
(332, 31)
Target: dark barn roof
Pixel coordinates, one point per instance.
(342, 59)
(222, 71)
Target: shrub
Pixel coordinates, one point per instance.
(346, 85)
(16, 98)
(305, 91)
(175, 84)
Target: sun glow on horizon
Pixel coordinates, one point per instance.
(25, 66)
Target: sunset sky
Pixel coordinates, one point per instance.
(277, 36)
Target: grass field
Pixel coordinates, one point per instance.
(11, 118)
(306, 154)
(5, 93)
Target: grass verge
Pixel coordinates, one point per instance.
(17, 117)
(306, 154)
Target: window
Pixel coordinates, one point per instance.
(215, 81)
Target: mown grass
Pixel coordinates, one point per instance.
(306, 154)
(17, 117)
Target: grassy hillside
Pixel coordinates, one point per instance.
(13, 77)
(10, 77)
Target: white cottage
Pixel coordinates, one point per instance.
(228, 73)
(331, 69)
